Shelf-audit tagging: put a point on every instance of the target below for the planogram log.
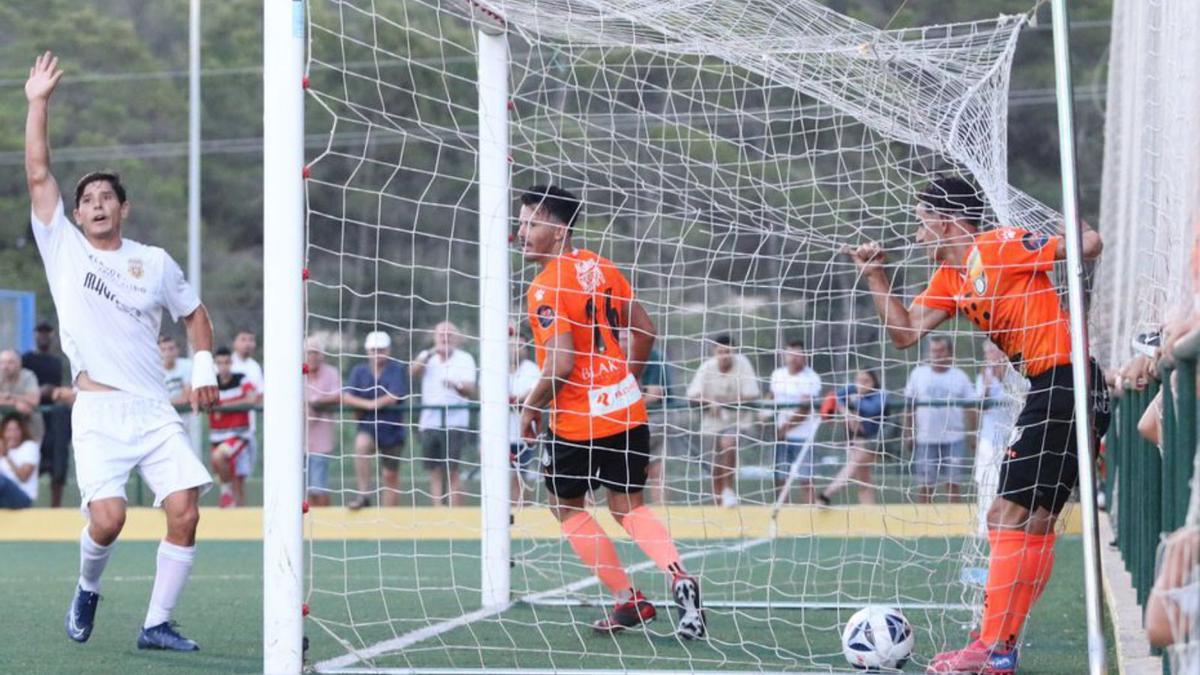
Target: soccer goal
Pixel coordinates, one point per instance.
(726, 151)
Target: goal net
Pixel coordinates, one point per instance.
(726, 151)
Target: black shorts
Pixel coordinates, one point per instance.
(1041, 467)
(617, 462)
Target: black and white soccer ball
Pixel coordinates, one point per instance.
(877, 638)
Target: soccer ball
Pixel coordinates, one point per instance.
(877, 637)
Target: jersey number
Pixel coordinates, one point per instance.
(611, 317)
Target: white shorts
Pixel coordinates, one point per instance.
(247, 459)
(116, 432)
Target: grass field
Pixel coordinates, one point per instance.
(375, 582)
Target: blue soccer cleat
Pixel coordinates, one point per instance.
(164, 636)
(81, 615)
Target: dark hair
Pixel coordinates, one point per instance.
(724, 339)
(942, 339)
(873, 375)
(163, 339)
(246, 331)
(953, 196)
(20, 420)
(223, 351)
(795, 343)
(560, 204)
(107, 175)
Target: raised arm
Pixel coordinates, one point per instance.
(43, 189)
(905, 327)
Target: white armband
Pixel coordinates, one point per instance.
(204, 373)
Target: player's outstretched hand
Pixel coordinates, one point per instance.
(869, 257)
(204, 398)
(43, 78)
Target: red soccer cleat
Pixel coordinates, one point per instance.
(630, 614)
(975, 658)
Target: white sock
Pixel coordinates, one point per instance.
(92, 559)
(226, 488)
(174, 565)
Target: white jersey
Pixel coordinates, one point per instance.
(110, 304)
(803, 387)
(253, 372)
(437, 389)
(939, 421)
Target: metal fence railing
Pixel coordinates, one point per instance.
(1148, 486)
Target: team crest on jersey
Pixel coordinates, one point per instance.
(539, 294)
(136, 270)
(545, 316)
(589, 275)
(1033, 242)
(975, 272)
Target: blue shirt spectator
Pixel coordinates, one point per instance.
(868, 407)
(386, 425)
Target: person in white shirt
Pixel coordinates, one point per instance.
(178, 375)
(936, 392)
(523, 374)
(19, 455)
(448, 377)
(244, 344)
(721, 386)
(795, 388)
(1001, 391)
(110, 292)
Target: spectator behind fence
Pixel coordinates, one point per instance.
(448, 377)
(375, 389)
(177, 372)
(229, 431)
(655, 383)
(796, 389)
(936, 391)
(1001, 391)
(244, 345)
(1173, 608)
(862, 406)
(721, 386)
(56, 439)
(18, 464)
(19, 390)
(322, 387)
(523, 374)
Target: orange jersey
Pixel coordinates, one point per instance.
(1005, 290)
(585, 294)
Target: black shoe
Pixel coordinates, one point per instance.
(824, 499)
(358, 503)
(630, 614)
(692, 624)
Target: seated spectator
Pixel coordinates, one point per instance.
(935, 391)
(229, 430)
(322, 387)
(19, 390)
(721, 386)
(795, 388)
(18, 464)
(862, 405)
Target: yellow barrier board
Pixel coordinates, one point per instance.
(686, 522)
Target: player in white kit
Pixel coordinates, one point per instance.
(110, 292)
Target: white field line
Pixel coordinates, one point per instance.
(401, 641)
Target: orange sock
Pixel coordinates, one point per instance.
(596, 550)
(1004, 578)
(649, 533)
(1036, 565)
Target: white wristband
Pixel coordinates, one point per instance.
(204, 373)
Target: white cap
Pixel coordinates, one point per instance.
(377, 340)
(314, 344)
